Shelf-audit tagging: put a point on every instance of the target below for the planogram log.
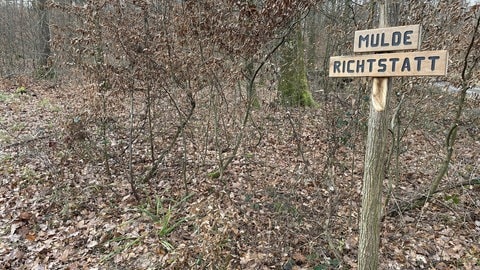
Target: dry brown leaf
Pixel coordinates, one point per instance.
(30, 236)
(299, 258)
(25, 216)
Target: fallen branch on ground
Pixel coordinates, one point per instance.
(418, 202)
(26, 141)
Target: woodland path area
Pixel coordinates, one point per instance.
(279, 206)
(208, 135)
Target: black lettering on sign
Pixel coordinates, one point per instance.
(433, 58)
(363, 39)
(406, 64)
(382, 65)
(360, 66)
(349, 66)
(419, 60)
(374, 40)
(396, 38)
(406, 37)
(336, 66)
(370, 67)
(426, 63)
(394, 62)
(388, 39)
(384, 43)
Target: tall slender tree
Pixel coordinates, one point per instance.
(44, 50)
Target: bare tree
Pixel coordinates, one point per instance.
(44, 50)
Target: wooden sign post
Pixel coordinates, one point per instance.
(382, 67)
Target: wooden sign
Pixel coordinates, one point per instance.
(422, 63)
(388, 39)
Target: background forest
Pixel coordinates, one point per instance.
(161, 134)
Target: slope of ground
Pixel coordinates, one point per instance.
(290, 200)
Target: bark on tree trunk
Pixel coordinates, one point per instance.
(372, 190)
(293, 84)
(44, 39)
(374, 168)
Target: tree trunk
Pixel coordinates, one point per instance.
(44, 37)
(374, 169)
(293, 85)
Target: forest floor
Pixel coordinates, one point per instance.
(290, 200)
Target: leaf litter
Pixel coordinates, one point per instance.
(271, 209)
